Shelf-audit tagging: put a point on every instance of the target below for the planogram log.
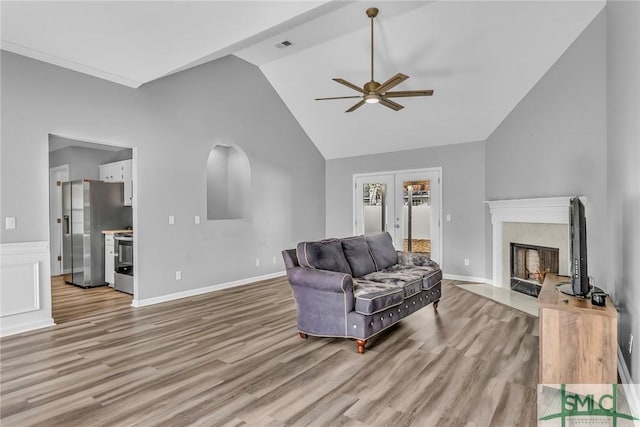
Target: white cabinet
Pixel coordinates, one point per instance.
(112, 172)
(119, 172)
(127, 175)
(109, 265)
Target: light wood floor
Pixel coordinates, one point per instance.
(233, 357)
(71, 302)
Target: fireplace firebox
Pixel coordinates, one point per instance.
(529, 266)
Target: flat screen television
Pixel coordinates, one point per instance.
(579, 285)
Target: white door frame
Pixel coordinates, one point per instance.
(57, 173)
(134, 206)
(437, 253)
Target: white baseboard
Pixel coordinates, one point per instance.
(631, 390)
(26, 327)
(467, 278)
(204, 290)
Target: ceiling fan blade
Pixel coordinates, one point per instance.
(389, 103)
(339, 97)
(355, 107)
(349, 84)
(403, 93)
(393, 81)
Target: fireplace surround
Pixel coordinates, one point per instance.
(529, 213)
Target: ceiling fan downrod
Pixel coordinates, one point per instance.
(372, 12)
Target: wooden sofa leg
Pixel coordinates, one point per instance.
(435, 305)
(361, 344)
(303, 335)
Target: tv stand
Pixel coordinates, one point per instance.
(578, 341)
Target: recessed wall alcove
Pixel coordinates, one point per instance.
(228, 182)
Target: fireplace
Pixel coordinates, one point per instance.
(543, 222)
(529, 266)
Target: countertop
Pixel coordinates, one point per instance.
(116, 231)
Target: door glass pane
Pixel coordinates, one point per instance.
(374, 207)
(416, 216)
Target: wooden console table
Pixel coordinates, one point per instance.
(578, 341)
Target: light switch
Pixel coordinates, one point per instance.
(197, 219)
(448, 217)
(10, 222)
(172, 219)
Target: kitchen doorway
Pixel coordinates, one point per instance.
(407, 204)
(90, 200)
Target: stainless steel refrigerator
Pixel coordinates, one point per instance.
(88, 207)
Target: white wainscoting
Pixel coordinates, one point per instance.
(25, 287)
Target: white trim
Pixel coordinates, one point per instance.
(20, 248)
(34, 303)
(26, 327)
(631, 390)
(70, 65)
(467, 278)
(35, 256)
(204, 290)
(549, 210)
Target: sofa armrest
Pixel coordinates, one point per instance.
(416, 260)
(322, 280)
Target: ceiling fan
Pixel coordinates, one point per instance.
(374, 92)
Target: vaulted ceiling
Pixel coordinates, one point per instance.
(480, 57)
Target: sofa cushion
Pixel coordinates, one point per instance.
(382, 250)
(373, 297)
(431, 274)
(356, 251)
(323, 255)
(409, 282)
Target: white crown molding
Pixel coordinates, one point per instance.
(65, 63)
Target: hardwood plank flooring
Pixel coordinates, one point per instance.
(71, 302)
(234, 358)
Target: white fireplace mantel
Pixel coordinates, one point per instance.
(549, 210)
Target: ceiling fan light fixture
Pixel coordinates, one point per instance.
(372, 98)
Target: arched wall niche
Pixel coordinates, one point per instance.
(228, 182)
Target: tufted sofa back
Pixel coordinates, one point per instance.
(357, 255)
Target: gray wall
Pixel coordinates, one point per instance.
(173, 123)
(554, 142)
(462, 196)
(84, 162)
(623, 171)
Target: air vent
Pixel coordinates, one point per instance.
(284, 44)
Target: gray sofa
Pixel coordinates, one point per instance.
(358, 286)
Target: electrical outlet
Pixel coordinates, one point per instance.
(257, 262)
(275, 259)
(466, 262)
(630, 343)
(178, 275)
(10, 222)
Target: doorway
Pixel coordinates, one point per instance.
(57, 175)
(89, 203)
(407, 204)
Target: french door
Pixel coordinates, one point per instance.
(407, 204)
